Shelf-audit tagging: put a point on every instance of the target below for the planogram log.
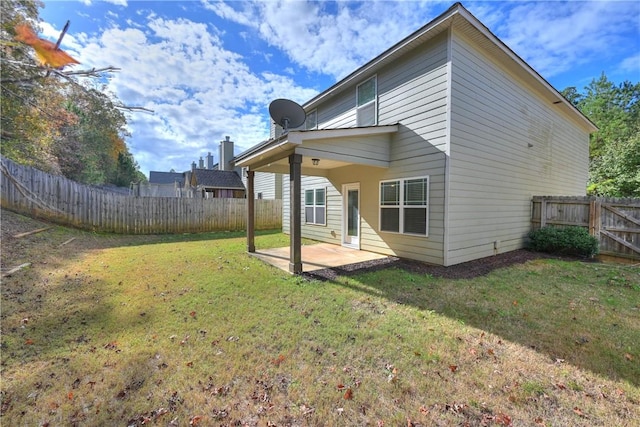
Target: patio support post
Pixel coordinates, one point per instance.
(295, 214)
(251, 216)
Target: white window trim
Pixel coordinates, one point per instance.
(314, 206)
(374, 101)
(401, 206)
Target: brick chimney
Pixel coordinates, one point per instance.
(226, 155)
(209, 161)
(201, 163)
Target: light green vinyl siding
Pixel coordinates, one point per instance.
(412, 92)
(507, 144)
(269, 184)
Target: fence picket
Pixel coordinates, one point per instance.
(66, 202)
(615, 222)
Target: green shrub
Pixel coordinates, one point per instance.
(565, 241)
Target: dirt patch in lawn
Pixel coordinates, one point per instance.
(26, 240)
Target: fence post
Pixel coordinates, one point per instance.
(592, 217)
(543, 212)
(595, 217)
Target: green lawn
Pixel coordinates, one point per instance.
(190, 330)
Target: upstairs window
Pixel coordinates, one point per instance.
(315, 206)
(311, 121)
(404, 206)
(366, 96)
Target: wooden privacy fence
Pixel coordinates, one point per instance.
(32, 192)
(614, 222)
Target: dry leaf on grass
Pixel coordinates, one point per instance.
(348, 395)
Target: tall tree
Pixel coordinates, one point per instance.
(25, 101)
(614, 150)
(51, 120)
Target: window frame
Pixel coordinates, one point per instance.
(374, 101)
(315, 124)
(402, 205)
(314, 206)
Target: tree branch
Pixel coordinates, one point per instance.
(94, 72)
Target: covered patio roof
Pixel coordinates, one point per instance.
(312, 153)
(335, 147)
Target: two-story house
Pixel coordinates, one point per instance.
(431, 151)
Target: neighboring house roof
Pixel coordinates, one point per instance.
(166, 177)
(217, 179)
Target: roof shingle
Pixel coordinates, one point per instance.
(218, 179)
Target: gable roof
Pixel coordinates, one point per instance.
(460, 19)
(217, 179)
(156, 177)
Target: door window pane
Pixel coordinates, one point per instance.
(352, 213)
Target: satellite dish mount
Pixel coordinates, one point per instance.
(287, 113)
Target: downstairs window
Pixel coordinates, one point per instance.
(404, 206)
(315, 206)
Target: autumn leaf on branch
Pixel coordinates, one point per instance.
(47, 53)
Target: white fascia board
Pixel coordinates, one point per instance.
(283, 147)
(298, 137)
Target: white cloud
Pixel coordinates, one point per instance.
(323, 40)
(337, 38)
(557, 37)
(117, 2)
(245, 17)
(199, 90)
(631, 64)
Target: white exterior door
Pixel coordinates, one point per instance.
(351, 215)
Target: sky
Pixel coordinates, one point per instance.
(209, 69)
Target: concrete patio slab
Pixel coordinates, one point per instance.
(316, 256)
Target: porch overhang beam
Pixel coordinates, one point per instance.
(298, 137)
(264, 160)
(279, 149)
(284, 169)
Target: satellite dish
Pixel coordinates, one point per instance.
(287, 114)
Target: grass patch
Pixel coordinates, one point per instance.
(194, 330)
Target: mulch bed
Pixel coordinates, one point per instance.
(466, 270)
